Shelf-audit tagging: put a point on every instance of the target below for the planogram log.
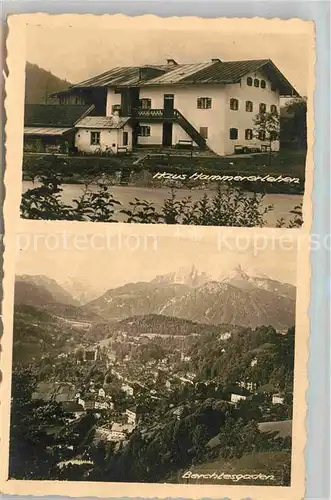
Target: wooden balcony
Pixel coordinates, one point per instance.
(152, 114)
(161, 115)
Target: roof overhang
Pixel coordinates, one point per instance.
(49, 131)
(285, 88)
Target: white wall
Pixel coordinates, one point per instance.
(219, 119)
(242, 119)
(178, 134)
(157, 134)
(155, 137)
(108, 138)
(112, 99)
(185, 101)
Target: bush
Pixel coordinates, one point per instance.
(232, 207)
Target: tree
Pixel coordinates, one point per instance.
(41, 436)
(34, 452)
(266, 125)
(293, 125)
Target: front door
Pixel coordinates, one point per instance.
(167, 134)
(168, 105)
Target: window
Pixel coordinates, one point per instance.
(248, 134)
(249, 106)
(263, 107)
(144, 131)
(145, 103)
(263, 84)
(115, 108)
(204, 102)
(273, 136)
(262, 135)
(204, 132)
(125, 138)
(234, 104)
(95, 138)
(273, 108)
(256, 82)
(249, 81)
(233, 133)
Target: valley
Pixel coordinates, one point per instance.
(183, 349)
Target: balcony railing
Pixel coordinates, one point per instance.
(148, 113)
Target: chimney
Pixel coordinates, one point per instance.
(215, 59)
(172, 62)
(116, 116)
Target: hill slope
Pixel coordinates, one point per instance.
(40, 290)
(220, 303)
(40, 83)
(158, 324)
(135, 299)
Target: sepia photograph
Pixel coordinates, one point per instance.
(144, 125)
(129, 366)
(163, 350)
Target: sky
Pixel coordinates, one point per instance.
(110, 257)
(78, 52)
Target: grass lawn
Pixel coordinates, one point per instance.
(75, 170)
(286, 162)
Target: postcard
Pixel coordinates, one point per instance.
(185, 375)
(171, 122)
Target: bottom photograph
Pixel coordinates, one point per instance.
(165, 358)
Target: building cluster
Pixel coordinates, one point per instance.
(207, 106)
(140, 381)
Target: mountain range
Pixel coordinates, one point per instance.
(236, 298)
(246, 279)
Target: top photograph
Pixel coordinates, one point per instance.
(165, 125)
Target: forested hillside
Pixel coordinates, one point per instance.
(39, 84)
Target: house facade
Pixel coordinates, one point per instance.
(277, 399)
(208, 105)
(235, 398)
(103, 133)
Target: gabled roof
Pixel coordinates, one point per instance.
(179, 73)
(119, 76)
(107, 122)
(54, 115)
(212, 72)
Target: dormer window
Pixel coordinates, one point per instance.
(234, 104)
(263, 84)
(172, 62)
(204, 103)
(249, 81)
(256, 82)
